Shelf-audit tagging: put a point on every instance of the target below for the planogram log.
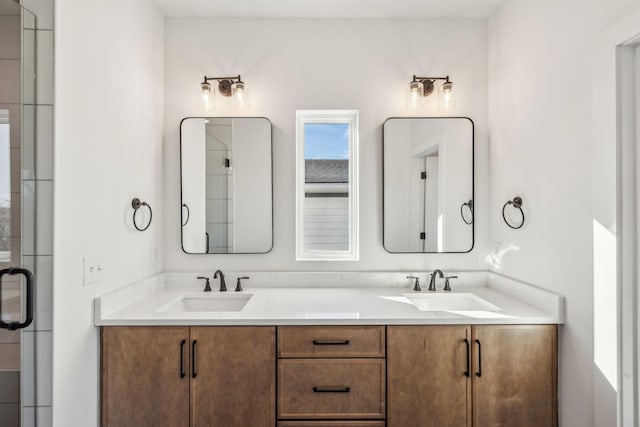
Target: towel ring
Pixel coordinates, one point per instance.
(184, 205)
(469, 204)
(136, 204)
(516, 203)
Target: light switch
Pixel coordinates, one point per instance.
(93, 269)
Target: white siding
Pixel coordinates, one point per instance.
(326, 223)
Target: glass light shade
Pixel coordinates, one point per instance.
(241, 96)
(415, 95)
(446, 97)
(208, 97)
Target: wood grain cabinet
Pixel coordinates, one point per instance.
(331, 373)
(180, 376)
(489, 375)
(330, 376)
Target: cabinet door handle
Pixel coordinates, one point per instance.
(331, 389)
(193, 359)
(467, 372)
(182, 372)
(479, 372)
(331, 342)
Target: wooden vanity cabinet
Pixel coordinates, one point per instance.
(397, 376)
(181, 376)
(512, 376)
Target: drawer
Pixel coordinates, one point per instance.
(331, 341)
(331, 389)
(331, 424)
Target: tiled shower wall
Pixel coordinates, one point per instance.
(219, 186)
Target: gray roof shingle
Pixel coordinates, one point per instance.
(326, 171)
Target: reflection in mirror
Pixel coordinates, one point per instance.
(428, 185)
(226, 185)
(326, 227)
(5, 187)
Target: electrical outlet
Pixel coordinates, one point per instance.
(93, 269)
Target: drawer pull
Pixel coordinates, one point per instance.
(331, 389)
(331, 342)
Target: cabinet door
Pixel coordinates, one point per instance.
(427, 381)
(233, 376)
(142, 382)
(515, 375)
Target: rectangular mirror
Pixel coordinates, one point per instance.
(428, 185)
(225, 170)
(326, 185)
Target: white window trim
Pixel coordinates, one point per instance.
(349, 117)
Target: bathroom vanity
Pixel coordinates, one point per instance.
(329, 357)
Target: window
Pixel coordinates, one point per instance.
(326, 185)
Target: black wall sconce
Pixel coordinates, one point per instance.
(137, 204)
(517, 204)
(421, 87)
(230, 87)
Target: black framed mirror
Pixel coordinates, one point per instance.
(428, 184)
(226, 185)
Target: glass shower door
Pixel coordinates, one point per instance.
(17, 217)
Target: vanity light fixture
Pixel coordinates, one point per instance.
(230, 87)
(421, 87)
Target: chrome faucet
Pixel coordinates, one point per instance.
(432, 281)
(223, 284)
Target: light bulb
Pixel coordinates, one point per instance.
(446, 98)
(206, 92)
(241, 95)
(414, 96)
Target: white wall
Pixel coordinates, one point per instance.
(323, 64)
(109, 95)
(540, 129)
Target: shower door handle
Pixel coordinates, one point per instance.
(12, 326)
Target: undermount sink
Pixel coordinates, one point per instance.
(450, 302)
(218, 302)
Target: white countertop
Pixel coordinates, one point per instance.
(146, 303)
